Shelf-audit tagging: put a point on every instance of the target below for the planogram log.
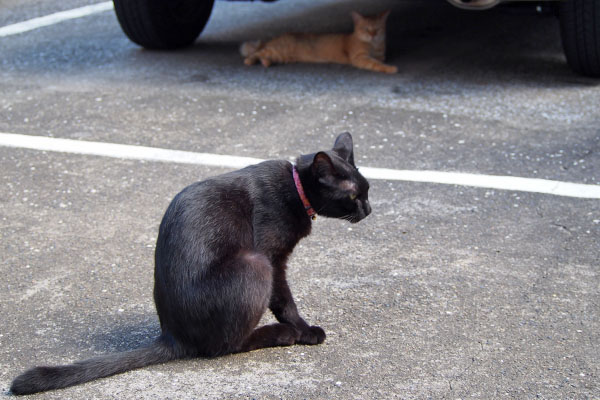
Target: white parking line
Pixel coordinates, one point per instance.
(533, 185)
(123, 151)
(55, 18)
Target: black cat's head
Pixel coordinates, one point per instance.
(332, 182)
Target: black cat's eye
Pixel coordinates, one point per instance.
(352, 196)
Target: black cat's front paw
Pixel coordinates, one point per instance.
(313, 335)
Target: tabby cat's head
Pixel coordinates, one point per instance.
(370, 29)
(332, 182)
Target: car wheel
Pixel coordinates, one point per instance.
(163, 24)
(580, 32)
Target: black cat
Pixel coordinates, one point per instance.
(220, 263)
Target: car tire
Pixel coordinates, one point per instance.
(580, 33)
(163, 24)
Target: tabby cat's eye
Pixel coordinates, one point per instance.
(352, 196)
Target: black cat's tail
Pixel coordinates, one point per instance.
(40, 379)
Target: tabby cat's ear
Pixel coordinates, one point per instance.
(356, 17)
(383, 16)
(344, 147)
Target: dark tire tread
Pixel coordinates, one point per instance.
(580, 32)
(153, 24)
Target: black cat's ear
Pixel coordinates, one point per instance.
(344, 147)
(323, 165)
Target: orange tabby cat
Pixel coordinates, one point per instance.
(364, 48)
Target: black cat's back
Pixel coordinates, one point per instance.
(217, 217)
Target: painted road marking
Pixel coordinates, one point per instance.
(533, 185)
(123, 151)
(55, 18)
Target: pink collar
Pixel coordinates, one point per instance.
(309, 210)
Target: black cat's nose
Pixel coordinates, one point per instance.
(367, 208)
(364, 209)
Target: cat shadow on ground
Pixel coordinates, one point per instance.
(134, 332)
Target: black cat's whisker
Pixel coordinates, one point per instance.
(323, 207)
(347, 217)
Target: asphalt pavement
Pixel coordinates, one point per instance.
(443, 292)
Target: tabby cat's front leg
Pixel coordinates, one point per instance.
(366, 62)
(284, 308)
